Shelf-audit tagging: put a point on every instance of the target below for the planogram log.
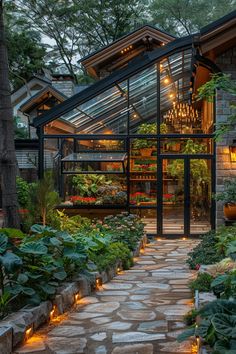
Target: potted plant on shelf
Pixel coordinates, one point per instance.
(228, 196)
(147, 146)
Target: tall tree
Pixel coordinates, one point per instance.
(55, 21)
(183, 17)
(8, 167)
(101, 22)
(74, 28)
(25, 50)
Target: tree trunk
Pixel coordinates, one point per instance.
(8, 164)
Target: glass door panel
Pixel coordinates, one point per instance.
(173, 196)
(200, 196)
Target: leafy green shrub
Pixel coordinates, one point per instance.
(42, 200)
(224, 286)
(216, 326)
(22, 188)
(113, 253)
(224, 236)
(124, 227)
(72, 224)
(205, 252)
(202, 282)
(13, 233)
(229, 193)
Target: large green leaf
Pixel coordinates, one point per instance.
(28, 291)
(10, 261)
(60, 274)
(186, 334)
(22, 278)
(224, 324)
(74, 256)
(231, 250)
(40, 229)
(219, 280)
(225, 347)
(48, 289)
(34, 248)
(203, 329)
(55, 242)
(3, 242)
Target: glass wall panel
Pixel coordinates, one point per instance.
(173, 196)
(200, 196)
(143, 170)
(100, 145)
(187, 146)
(95, 189)
(143, 99)
(52, 161)
(149, 218)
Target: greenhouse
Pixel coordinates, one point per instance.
(139, 139)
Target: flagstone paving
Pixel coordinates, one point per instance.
(139, 311)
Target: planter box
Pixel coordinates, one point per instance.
(14, 326)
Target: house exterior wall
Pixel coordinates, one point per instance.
(225, 169)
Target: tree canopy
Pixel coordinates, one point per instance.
(57, 34)
(183, 17)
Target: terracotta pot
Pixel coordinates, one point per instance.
(146, 152)
(230, 211)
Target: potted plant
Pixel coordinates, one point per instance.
(228, 196)
(146, 146)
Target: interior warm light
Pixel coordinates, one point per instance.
(166, 81)
(162, 44)
(232, 151)
(184, 238)
(161, 66)
(135, 115)
(171, 95)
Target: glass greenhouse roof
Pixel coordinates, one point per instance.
(137, 96)
(122, 101)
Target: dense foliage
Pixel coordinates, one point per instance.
(32, 266)
(205, 252)
(215, 321)
(202, 282)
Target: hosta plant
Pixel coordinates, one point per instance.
(217, 326)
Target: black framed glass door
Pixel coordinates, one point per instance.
(184, 192)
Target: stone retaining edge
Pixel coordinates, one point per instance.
(13, 328)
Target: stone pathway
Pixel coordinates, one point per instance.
(139, 311)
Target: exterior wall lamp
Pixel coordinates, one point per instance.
(232, 151)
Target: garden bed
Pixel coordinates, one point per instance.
(18, 327)
(212, 322)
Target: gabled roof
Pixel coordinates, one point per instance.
(38, 98)
(95, 59)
